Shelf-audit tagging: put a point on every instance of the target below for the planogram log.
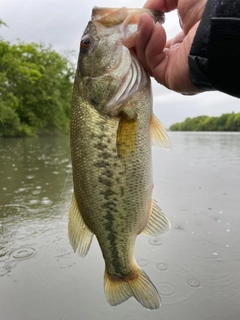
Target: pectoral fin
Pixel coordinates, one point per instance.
(157, 223)
(126, 137)
(159, 135)
(80, 236)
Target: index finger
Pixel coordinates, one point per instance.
(161, 5)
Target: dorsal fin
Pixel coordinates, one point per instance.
(159, 135)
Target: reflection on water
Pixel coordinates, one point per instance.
(195, 266)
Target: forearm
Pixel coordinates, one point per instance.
(214, 59)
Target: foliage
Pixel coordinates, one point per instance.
(35, 90)
(2, 23)
(226, 122)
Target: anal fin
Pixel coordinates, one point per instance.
(157, 223)
(80, 236)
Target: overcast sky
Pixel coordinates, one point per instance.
(61, 23)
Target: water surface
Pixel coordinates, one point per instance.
(195, 266)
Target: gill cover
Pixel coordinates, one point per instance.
(107, 65)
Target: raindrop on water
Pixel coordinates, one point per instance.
(35, 192)
(30, 177)
(33, 201)
(46, 201)
(155, 241)
(142, 262)
(162, 266)
(179, 226)
(194, 283)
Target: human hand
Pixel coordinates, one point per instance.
(167, 61)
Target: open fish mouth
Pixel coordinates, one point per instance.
(135, 77)
(112, 16)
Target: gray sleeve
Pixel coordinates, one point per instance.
(214, 58)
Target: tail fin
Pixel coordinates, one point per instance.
(141, 287)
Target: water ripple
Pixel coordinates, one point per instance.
(166, 289)
(142, 262)
(23, 253)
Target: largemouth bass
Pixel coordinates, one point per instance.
(112, 125)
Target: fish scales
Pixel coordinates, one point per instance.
(112, 126)
(96, 163)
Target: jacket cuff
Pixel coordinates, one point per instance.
(214, 59)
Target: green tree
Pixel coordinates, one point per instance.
(237, 122)
(35, 89)
(226, 122)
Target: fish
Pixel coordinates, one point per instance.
(111, 131)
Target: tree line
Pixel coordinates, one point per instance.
(226, 122)
(35, 89)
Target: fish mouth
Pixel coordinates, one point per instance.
(128, 71)
(113, 16)
(125, 69)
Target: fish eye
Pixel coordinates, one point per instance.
(86, 42)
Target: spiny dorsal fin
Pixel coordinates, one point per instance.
(126, 137)
(157, 223)
(159, 135)
(79, 234)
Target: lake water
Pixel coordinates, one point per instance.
(195, 266)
